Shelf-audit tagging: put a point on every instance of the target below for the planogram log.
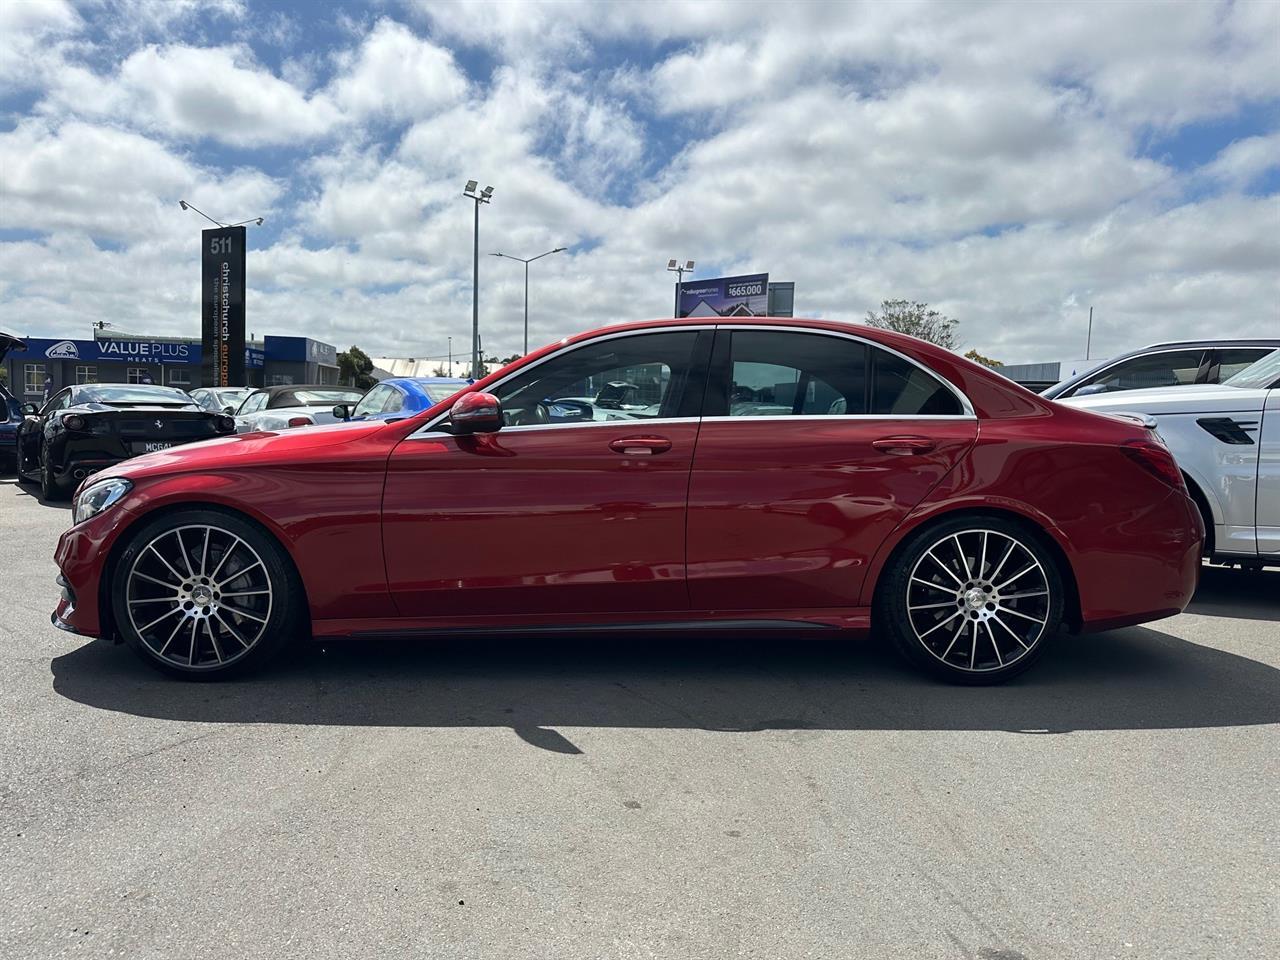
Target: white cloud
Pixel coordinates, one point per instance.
(1243, 161)
(397, 75)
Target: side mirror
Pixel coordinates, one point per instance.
(29, 410)
(342, 411)
(476, 413)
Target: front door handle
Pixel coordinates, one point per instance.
(640, 446)
(903, 446)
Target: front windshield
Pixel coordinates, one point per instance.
(1259, 375)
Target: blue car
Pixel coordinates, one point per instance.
(400, 397)
(10, 410)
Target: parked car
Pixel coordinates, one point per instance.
(965, 516)
(10, 410)
(1165, 365)
(220, 399)
(87, 427)
(291, 405)
(1226, 440)
(400, 397)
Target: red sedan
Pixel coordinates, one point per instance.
(732, 475)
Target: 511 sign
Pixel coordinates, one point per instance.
(222, 285)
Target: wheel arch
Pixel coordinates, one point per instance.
(1044, 534)
(1206, 507)
(125, 535)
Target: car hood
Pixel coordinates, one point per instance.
(1196, 398)
(242, 450)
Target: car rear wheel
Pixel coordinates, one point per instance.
(49, 489)
(202, 594)
(973, 600)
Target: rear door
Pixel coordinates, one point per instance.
(1268, 510)
(1226, 362)
(569, 511)
(813, 447)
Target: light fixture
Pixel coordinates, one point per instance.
(471, 186)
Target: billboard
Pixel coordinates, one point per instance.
(725, 297)
(124, 351)
(222, 258)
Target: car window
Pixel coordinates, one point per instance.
(58, 401)
(1171, 368)
(637, 377)
(900, 388)
(372, 401)
(1227, 362)
(395, 401)
(252, 404)
(778, 374)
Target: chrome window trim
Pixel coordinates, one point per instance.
(968, 413)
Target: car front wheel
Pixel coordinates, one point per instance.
(202, 594)
(973, 600)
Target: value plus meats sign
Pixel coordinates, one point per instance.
(222, 260)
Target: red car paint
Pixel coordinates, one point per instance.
(725, 520)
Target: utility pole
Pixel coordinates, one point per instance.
(482, 197)
(1088, 341)
(679, 269)
(507, 256)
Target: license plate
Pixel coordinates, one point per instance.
(151, 446)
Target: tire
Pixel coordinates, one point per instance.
(49, 489)
(179, 616)
(20, 467)
(953, 609)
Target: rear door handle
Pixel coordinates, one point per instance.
(640, 446)
(903, 446)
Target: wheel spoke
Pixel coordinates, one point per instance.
(1024, 593)
(958, 581)
(241, 572)
(163, 583)
(232, 630)
(922, 606)
(236, 541)
(954, 638)
(927, 583)
(182, 549)
(973, 645)
(940, 623)
(151, 547)
(191, 653)
(244, 593)
(964, 561)
(1022, 615)
(995, 572)
(994, 646)
(982, 562)
(217, 650)
(167, 613)
(176, 628)
(243, 613)
(169, 599)
(1010, 632)
(1033, 566)
(204, 552)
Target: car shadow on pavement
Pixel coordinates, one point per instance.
(1136, 678)
(32, 491)
(1249, 594)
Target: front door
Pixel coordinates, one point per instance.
(813, 449)
(576, 507)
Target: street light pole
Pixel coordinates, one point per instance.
(482, 197)
(450, 373)
(679, 269)
(526, 262)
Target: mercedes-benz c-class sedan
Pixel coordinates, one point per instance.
(765, 475)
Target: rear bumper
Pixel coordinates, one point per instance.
(1144, 568)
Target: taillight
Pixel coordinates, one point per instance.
(300, 421)
(1156, 459)
(74, 422)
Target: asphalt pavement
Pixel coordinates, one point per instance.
(672, 797)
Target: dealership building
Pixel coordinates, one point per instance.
(172, 361)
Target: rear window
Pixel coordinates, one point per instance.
(316, 398)
(134, 393)
(441, 391)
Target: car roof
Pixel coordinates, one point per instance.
(1247, 342)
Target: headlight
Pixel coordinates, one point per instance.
(98, 496)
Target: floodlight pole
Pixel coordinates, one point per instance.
(1088, 340)
(526, 262)
(679, 270)
(481, 197)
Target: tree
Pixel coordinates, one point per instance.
(976, 357)
(355, 369)
(916, 320)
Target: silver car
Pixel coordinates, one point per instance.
(292, 405)
(1226, 438)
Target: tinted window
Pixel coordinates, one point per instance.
(902, 389)
(625, 378)
(315, 398)
(776, 374)
(252, 404)
(1228, 362)
(134, 393)
(1169, 369)
(442, 391)
(395, 401)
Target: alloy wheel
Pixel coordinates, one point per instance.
(199, 597)
(978, 600)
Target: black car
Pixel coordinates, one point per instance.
(85, 428)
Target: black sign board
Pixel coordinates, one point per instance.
(222, 307)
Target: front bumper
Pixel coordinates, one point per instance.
(82, 557)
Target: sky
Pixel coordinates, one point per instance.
(1011, 164)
